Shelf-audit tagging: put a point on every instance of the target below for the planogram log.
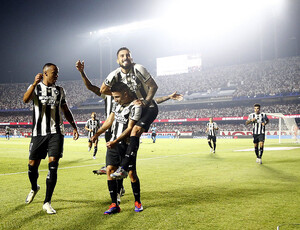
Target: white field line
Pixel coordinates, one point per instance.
(81, 166)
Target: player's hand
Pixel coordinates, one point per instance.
(94, 138)
(110, 144)
(80, 66)
(38, 78)
(263, 124)
(176, 96)
(254, 120)
(75, 134)
(138, 102)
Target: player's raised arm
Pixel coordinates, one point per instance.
(80, 67)
(69, 116)
(29, 93)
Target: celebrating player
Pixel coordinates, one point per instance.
(122, 119)
(7, 132)
(153, 133)
(259, 121)
(211, 131)
(92, 125)
(47, 130)
(143, 85)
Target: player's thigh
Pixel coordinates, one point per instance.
(55, 145)
(148, 116)
(38, 147)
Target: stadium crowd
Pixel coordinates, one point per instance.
(268, 78)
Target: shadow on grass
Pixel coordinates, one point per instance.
(274, 173)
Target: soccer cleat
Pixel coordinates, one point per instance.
(257, 160)
(101, 171)
(31, 195)
(211, 150)
(89, 149)
(94, 157)
(119, 174)
(138, 207)
(113, 209)
(214, 151)
(260, 161)
(47, 207)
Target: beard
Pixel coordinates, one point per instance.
(128, 66)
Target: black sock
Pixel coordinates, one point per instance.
(215, 145)
(95, 151)
(136, 190)
(51, 180)
(209, 143)
(256, 152)
(131, 152)
(112, 188)
(261, 150)
(33, 175)
(119, 185)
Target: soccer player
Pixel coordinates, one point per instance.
(211, 131)
(7, 132)
(143, 85)
(153, 133)
(47, 130)
(177, 134)
(122, 119)
(259, 121)
(92, 125)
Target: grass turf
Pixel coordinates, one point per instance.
(183, 186)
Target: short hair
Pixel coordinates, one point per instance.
(48, 65)
(122, 48)
(257, 105)
(120, 87)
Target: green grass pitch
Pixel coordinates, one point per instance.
(183, 186)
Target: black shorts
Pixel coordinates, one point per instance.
(41, 145)
(148, 116)
(153, 134)
(115, 156)
(258, 138)
(107, 135)
(213, 138)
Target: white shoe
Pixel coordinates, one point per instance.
(214, 151)
(47, 207)
(260, 161)
(31, 195)
(89, 149)
(94, 157)
(119, 198)
(257, 160)
(211, 150)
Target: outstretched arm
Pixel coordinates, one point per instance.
(173, 96)
(86, 81)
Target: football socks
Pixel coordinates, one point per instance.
(51, 180)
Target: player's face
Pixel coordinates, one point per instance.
(50, 75)
(124, 59)
(93, 116)
(120, 98)
(256, 109)
(210, 120)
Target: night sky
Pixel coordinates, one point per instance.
(34, 32)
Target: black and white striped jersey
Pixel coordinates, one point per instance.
(122, 116)
(108, 104)
(258, 128)
(94, 125)
(212, 128)
(136, 80)
(47, 112)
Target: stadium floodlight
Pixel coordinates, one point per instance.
(126, 28)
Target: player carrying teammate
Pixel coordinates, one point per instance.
(122, 119)
(92, 125)
(211, 131)
(259, 121)
(47, 130)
